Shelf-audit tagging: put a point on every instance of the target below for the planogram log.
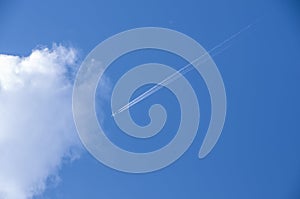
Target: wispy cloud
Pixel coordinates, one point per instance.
(36, 126)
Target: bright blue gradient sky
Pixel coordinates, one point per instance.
(257, 155)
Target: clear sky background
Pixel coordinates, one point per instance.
(257, 155)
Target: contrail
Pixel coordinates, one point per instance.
(178, 73)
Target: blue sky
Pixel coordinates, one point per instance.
(257, 155)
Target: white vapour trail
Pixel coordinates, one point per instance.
(177, 74)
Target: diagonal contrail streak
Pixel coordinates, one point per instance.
(178, 73)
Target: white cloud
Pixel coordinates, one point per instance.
(36, 126)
